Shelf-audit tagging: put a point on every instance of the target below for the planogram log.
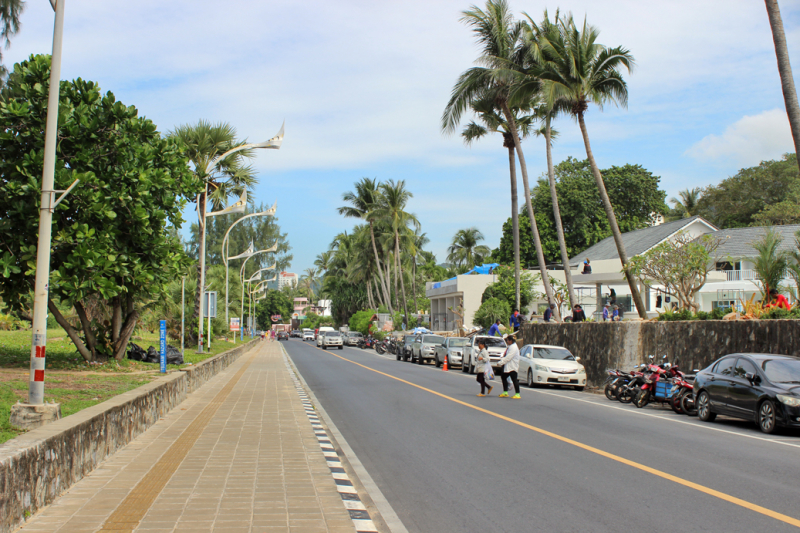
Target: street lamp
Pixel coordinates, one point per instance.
(258, 273)
(273, 143)
(226, 244)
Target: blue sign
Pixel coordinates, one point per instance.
(163, 332)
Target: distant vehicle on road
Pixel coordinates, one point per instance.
(540, 364)
(331, 339)
(321, 333)
(453, 348)
(354, 337)
(308, 335)
(424, 348)
(296, 333)
(763, 388)
(405, 348)
(283, 336)
(494, 345)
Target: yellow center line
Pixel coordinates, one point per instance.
(686, 483)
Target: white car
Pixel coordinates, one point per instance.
(308, 335)
(331, 339)
(494, 345)
(540, 364)
(321, 334)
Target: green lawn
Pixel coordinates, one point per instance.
(72, 381)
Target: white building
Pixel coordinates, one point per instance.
(287, 279)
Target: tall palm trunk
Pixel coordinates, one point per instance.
(396, 285)
(612, 221)
(201, 208)
(384, 285)
(785, 70)
(400, 272)
(370, 302)
(534, 229)
(557, 216)
(414, 283)
(508, 142)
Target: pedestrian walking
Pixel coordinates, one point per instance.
(510, 362)
(484, 369)
(495, 329)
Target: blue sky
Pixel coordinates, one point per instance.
(362, 85)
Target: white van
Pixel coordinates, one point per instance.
(321, 333)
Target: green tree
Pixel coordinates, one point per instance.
(112, 246)
(492, 310)
(780, 214)
(686, 205)
(503, 288)
(577, 71)
(465, 251)
(274, 303)
(736, 201)
(771, 264)
(10, 11)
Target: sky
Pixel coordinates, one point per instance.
(362, 86)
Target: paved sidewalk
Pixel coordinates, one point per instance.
(240, 454)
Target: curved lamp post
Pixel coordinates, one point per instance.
(274, 143)
(241, 277)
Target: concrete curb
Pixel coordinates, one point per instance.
(38, 466)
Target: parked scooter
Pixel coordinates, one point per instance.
(627, 392)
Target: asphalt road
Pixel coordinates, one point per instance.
(556, 460)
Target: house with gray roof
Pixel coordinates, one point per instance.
(736, 253)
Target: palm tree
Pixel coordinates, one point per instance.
(771, 264)
(687, 205)
(785, 70)
(393, 200)
(575, 70)
(487, 112)
(501, 39)
(309, 280)
(323, 261)
(363, 203)
(10, 11)
(203, 142)
(465, 250)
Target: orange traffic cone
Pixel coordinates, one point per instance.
(445, 367)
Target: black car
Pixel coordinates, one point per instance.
(283, 336)
(296, 333)
(761, 387)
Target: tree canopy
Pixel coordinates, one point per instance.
(115, 242)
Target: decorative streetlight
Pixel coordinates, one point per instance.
(226, 244)
(273, 143)
(271, 249)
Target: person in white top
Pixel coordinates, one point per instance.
(480, 368)
(510, 362)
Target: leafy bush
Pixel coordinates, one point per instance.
(702, 315)
(504, 289)
(777, 313)
(491, 310)
(360, 321)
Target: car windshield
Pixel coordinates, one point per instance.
(408, 339)
(331, 333)
(559, 354)
(492, 342)
(782, 370)
(433, 339)
(457, 343)
(356, 334)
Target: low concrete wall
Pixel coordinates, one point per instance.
(694, 343)
(36, 467)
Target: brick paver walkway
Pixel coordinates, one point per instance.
(238, 455)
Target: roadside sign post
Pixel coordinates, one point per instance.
(234, 327)
(209, 312)
(163, 339)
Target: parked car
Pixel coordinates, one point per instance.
(764, 388)
(453, 348)
(308, 335)
(424, 347)
(331, 339)
(540, 364)
(321, 334)
(354, 337)
(283, 336)
(405, 348)
(494, 345)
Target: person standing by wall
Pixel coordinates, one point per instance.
(495, 329)
(548, 313)
(605, 312)
(577, 314)
(510, 362)
(514, 321)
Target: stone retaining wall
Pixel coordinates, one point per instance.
(36, 467)
(694, 343)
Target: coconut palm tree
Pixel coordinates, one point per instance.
(687, 204)
(492, 120)
(465, 250)
(10, 11)
(771, 264)
(203, 142)
(363, 203)
(393, 201)
(785, 70)
(576, 71)
(323, 261)
(501, 39)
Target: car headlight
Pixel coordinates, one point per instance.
(581, 370)
(542, 368)
(457, 353)
(791, 401)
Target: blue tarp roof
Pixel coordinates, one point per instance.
(483, 269)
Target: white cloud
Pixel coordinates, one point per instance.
(748, 141)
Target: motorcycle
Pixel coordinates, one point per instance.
(626, 392)
(657, 386)
(381, 347)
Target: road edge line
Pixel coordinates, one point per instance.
(385, 509)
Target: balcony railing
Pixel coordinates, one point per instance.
(740, 275)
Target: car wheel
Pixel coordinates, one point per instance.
(341, 347)
(530, 379)
(767, 417)
(464, 364)
(579, 389)
(420, 360)
(471, 367)
(704, 412)
(436, 362)
(398, 356)
(324, 347)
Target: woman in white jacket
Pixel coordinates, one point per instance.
(480, 368)
(510, 362)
